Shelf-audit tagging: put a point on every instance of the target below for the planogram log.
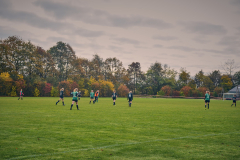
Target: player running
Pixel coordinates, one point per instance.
(79, 95)
(96, 97)
(130, 98)
(61, 97)
(207, 99)
(74, 99)
(114, 97)
(21, 95)
(234, 98)
(91, 96)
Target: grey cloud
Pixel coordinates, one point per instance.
(165, 38)
(157, 46)
(87, 33)
(189, 49)
(204, 28)
(183, 48)
(127, 41)
(43, 23)
(230, 41)
(178, 56)
(88, 15)
(200, 39)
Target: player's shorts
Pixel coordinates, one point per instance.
(61, 97)
(207, 101)
(91, 97)
(130, 99)
(75, 100)
(114, 98)
(234, 101)
(79, 96)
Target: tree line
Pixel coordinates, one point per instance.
(42, 72)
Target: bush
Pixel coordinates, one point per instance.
(176, 93)
(161, 93)
(186, 90)
(85, 93)
(182, 94)
(122, 90)
(13, 92)
(36, 92)
(54, 92)
(166, 90)
(202, 90)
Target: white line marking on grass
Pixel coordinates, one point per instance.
(117, 145)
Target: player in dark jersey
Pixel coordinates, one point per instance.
(91, 96)
(130, 98)
(234, 100)
(114, 97)
(21, 95)
(207, 99)
(96, 97)
(61, 97)
(79, 95)
(74, 99)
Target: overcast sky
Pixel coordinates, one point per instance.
(194, 34)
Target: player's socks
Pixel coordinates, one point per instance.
(130, 104)
(77, 107)
(71, 106)
(63, 103)
(94, 102)
(205, 106)
(57, 102)
(18, 98)
(208, 106)
(231, 105)
(235, 104)
(21, 98)
(97, 100)
(90, 102)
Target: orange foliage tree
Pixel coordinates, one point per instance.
(122, 90)
(186, 90)
(202, 90)
(167, 90)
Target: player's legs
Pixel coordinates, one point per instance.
(208, 105)
(114, 100)
(90, 100)
(72, 105)
(63, 102)
(130, 102)
(77, 105)
(58, 100)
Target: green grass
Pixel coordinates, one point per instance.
(35, 128)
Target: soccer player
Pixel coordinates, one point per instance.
(61, 97)
(130, 98)
(114, 97)
(96, 97)
(91, 96)
(74, 99)
(234, 100)
(79, 95)
(21, 95)
(207, 99)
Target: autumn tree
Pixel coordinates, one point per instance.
(186, 90)
(226, 83)
(166, 90)
(184, 76)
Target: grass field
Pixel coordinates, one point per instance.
(35, 128)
